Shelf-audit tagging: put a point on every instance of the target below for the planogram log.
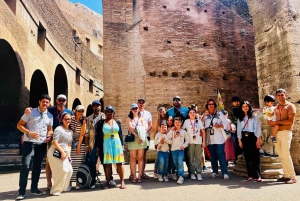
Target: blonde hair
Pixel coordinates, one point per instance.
(158, 114)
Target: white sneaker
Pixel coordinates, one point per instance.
(93, 187)
(174, 177)
(193, 176)
(180, 180)
(226, 177)
(155, 175)
(199, 177)
(159, 177)
(20, 197)
(77, 187)
(56, 194)
(112, 182)
(166, 179)
(214, 175)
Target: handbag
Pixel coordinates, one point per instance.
(129, 137)
(56, 154)
(226, 134)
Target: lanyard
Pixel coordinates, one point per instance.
(136, 122)
(59, 116)
(193, 126)
(245, 124)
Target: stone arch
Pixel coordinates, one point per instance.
(89, 110)
(75, 103)
(38, 86)
(60, 82)
(10, 90)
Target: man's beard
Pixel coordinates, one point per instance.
(61, 106)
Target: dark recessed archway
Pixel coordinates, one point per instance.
(89, 110)
(75, 103)
(38, 87)
(10, 90)
(60, 82)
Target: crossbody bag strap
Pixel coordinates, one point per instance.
(245, 124)
(212, 120)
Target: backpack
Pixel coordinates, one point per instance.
(83, 176)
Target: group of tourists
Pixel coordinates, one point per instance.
(179, 133)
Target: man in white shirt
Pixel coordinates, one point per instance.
(148, 126)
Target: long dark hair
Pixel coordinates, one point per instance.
(241, 112)
(130, 115)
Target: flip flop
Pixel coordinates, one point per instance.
(134, 180)
(144, 176)
(138, 180)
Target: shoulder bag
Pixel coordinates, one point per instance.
(130, 137)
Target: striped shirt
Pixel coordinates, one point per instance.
(76, 128)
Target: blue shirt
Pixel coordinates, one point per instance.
(57, 115)
(181, 112)
(38, 122)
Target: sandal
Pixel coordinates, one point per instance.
(250, 179)
(134, 180)
(138, 180)
(144, 176)
(258, 180)
(131, 177)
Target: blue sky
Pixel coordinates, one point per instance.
(95, 5)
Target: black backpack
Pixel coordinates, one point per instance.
(83, 176)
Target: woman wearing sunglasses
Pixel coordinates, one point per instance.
(136, 148)
(62, 168)
(78, 126)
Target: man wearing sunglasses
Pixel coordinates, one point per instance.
(177, 110)
(57, 112)
(285, 115)
(37, 127)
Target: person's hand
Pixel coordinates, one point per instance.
(205, 113)
(78, 150)
(48, 138)
(159, 147)
(233, 130)
(63, 156)
(34, 135)
(162, 141)
(182, 148)
(173, 128)
(241, 144)
(70, 159)
(271, 123)
(139, 141)
(258, 143)
(203, 145)
(28, 111)
(87, 149)
(217, 125)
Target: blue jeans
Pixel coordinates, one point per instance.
(217, 153)
(178, 156)
(38, 151)
(163, 162)
(171, 166)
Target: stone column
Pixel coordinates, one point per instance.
(276, 30)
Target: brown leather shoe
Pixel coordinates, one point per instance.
(283, 179)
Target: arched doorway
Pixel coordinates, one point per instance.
(75, 103)
(60, 82)
(10, 89)
(89, 110)
(38, 87)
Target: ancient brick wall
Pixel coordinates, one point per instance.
(277, 54)
(178, 48)
(86, 22)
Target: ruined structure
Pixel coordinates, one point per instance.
(86, 23)
(38, 55)
(158, 48)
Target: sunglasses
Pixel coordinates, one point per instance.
(141, 102)
(135, 108)
(61, 100)
(281, 95)
(176, 100)
(211, 104)
(81, 111)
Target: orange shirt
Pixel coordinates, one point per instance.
(283, 112)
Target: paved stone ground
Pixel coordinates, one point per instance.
(237, 188)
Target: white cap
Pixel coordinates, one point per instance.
(79, 107)
(61, 96)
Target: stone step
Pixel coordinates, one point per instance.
(265, 159)
(10, 159)
(9, 151)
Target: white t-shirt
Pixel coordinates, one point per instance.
(147, 117)
(165, 146)
(193, 129)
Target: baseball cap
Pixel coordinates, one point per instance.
(141, 99)
(133, 105)
(110, 108)
(96, 102)
(61, 96)
(176, 97)
(235, 98)
(79, 107)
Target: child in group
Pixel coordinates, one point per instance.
(162, 153)
(179, 139)
(269, 114)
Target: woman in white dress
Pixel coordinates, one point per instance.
(61, 167)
